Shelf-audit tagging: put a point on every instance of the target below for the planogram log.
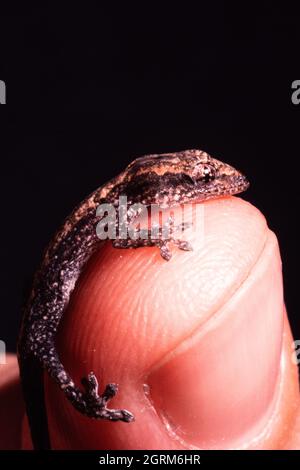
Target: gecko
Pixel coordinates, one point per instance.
(167, 180)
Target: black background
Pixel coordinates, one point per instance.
(91, 87)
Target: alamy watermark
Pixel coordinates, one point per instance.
(296, 353)
(2, 352)
(125, 221)
(295, 97)
(2, 92)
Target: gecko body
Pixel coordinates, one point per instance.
(166, 180)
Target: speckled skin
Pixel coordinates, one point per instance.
(166, 180)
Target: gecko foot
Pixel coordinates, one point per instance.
(183, 245)
(158, 236)
(165, 250)
(96, 404)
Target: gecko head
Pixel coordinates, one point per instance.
(172, 178)
(213, 178)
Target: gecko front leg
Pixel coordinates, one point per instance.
(161, 236)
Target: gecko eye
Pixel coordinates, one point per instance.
(205, 173)
(208, 173)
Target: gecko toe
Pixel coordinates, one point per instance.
(184, 245)
(165, 251)
(109, 392)
(90, 384)
(127, 416)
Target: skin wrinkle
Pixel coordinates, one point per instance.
(214, 280)
(134, 314)
(181, 343)
(266, 430)
(223, 301)
(132, 298)
(275, 417)
(186, 345)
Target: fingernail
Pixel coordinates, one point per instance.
(221, 384)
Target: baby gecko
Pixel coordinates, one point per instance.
(166, 180)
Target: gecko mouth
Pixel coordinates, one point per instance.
(226, 185)
(238, 184)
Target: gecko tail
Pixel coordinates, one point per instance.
(32, 381)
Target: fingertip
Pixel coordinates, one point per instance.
(131, 309)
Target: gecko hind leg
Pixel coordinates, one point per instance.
(95, 404)
(87, 401)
